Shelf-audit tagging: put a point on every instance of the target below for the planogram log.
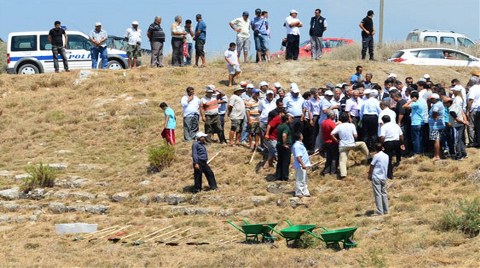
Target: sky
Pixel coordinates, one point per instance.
(343, 17)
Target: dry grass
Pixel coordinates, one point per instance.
(112, 119)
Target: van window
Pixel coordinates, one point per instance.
(44, 44)
(412, 37)
(465, 42)
(430, 39)
(78, 42)
(447, 40)
(24, 43)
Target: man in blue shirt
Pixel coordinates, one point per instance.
(200, 39)
(98, 37)
(378, 175)
(168, 132)
(357, 77)
(436, 123)
(260, 27)
(418, 108)
(200, 165)
(294, 106)
(369, 116)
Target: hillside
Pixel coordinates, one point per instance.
(97, 132)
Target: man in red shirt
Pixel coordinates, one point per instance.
(271, 136)
(331, 147)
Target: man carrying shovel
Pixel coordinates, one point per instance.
(200, 164)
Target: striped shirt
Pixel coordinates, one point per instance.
(210, 105)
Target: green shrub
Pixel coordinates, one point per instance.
(161, 157)
(463, 217)
(40, 176)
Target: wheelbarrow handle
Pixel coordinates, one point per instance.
(235, 226)
(324, 228)
(314, 235)
(273, 229)
(289, 223)
(245, 221)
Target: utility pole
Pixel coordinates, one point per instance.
(380, 35)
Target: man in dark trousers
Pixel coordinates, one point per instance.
(156, 35)
(318, 25)
(200, 165)
(368, 31)
(284, 147)
(55, 37)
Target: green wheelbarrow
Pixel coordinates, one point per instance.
(294, 232)
(332, 238)
(253, 231)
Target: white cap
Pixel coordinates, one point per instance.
(458, 88)
(269, 91)
(98, 24)
(277, 85)
(392, 88)
(294, 88)
(328, 93)
(263, 83)
(392, 75)
(293, 11)
(374, 93)
(200, 134)
(250, 86)
(367, 91)
(134, 22)
(210, 88)
(434, 96)
(426, 76)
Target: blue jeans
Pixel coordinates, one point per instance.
(261, 43)
(188, 60)
(103, 55)
(417, 139)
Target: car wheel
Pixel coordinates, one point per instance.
(28, 69)
(114, 65)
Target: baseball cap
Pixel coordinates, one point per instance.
(258, 10)
(426, 76)
(277, 85)
(293, 11)
(339, 86)
(98, 24)
(457, 88)
(434, 96)
(294, 88)
(370, 13)
(330, 86)
(134, 22)
(367, 91)
(238, 88)
(394, 75)
(263, 83)
(256, 91)
(374, 93)
(200, 134)
(392, 88)
(243, 83)
(245, 13)
(270, 92)
(250, 86)
(328, 93)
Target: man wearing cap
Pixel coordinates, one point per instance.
(242, 27)
(55, 37)
(209, 114)
(260, 29)
(294, 106)
(200, 39)
(436, 123)
(263, 86)
(200, 165)
(233, 66)
(236, 112)
(318, 25)
(293, 24)
(253, 115)
(98, 38)
(134, 50)
(369, 115)
(156, 36)
(191, 105)
(367, 35)
(265, 106)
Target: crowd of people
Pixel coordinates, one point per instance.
(399, 118)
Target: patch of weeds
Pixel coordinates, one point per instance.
(138, 124)
(56, 116)
(31, 246)
(406, 198)
(464, 217)
(373, 258)
(40, 176)
(160, 157)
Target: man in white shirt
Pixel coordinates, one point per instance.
(345, 134)
(236, 112)
(232, 63)
(385, 111)
(352, 107)
(191, 105)
(473, 112)
(98, 38)
(293, 24)
(378, 175)
(134, 50)
(242, 27)
(391, 136)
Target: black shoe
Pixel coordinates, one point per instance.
(196, 191)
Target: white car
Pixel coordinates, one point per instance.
(434, 56)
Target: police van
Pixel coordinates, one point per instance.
(31, 53)
(439, 37)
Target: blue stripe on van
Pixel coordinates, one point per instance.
(50, 57)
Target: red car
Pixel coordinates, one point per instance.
(329, 43)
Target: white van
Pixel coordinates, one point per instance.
(31, 53)
(439, 38)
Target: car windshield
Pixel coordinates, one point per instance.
(465, 42)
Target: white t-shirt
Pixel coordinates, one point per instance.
(243, 25)
(474, 94)
(238, 107)
(346, 132)
(134, 36)
(292, 30)
(231, 56)
(380, 166)
(391, 131)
